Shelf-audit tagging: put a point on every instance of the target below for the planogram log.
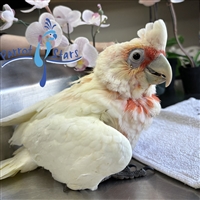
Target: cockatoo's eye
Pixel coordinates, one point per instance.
(136, 57)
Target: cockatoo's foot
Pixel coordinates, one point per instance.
(131, 172)
(65, 188)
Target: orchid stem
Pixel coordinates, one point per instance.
(24, 23)
(156, 11)
(97, 31)
(199, 23)
(150, 14)
(68, 34)
(39, 12)
(93, 35)
(48, 9)
(174, 20)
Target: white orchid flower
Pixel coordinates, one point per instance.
(7, 16)
(67, 18)
(61, 47)
(46, 30)
(91, 18)
(148, 2)
(83, 48)
(37, 4)
(64, 42)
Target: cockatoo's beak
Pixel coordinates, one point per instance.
(159, 71)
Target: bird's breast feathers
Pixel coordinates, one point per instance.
(129, 116)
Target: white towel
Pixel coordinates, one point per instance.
(172, 143)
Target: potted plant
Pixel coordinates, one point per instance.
(189, 74)
(173, 59)
(182, 63)
(190, 65)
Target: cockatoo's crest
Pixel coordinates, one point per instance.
(154, 34)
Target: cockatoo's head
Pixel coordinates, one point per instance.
(50, 35)
(134, 68)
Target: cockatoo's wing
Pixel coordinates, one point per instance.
(26, 114)
(21, 116)
(78, 151)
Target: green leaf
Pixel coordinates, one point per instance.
(175, 55)
(196, 57)
(172, 41)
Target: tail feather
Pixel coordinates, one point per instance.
(7, 169)
(21, 162)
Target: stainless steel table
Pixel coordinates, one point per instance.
(39, 184)
(19, 89)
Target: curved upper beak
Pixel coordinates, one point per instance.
(159, 71)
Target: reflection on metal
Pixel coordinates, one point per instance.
(20, 88)
(20, 84)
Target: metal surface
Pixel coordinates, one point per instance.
(39, 184)
(19, 89)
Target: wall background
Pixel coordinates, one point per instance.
(125, 18)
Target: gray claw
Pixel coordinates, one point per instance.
(128, 173)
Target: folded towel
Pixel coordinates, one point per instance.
(172, 143)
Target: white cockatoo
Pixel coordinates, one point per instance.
(87, 132)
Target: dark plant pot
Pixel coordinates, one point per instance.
(160, 89)
(191, 79)
(173, 62)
